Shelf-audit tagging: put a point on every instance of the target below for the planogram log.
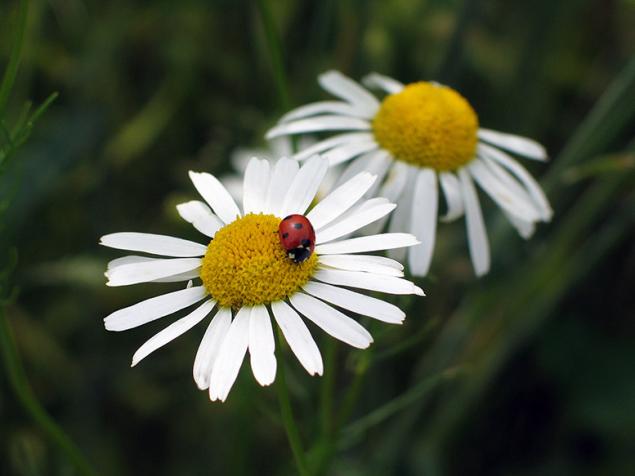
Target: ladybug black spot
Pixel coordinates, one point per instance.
(306, 243)
(285, 235)
(297, 226)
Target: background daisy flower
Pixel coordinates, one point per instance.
(247, 277)
(423, 136)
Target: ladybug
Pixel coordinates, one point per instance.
(297, 237)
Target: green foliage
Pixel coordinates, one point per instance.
(526, 371)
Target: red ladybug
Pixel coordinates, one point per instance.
(297, 237)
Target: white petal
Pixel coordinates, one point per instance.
(332, 321)
(262, 346)
(173, 331)
(153, 244)
(354, 167)
(255, 186)
(187, 276)
(148, 271)
(379, 165)
(340, 200)
(153, 308)
(326, 144)
(362, 206)
(200, 216)
(325, 107)
(298, 337)
(513, 187)
(452, 192)
(505, 197)
(320, 123)
(209, 347)
(355, 302)
(525, 228)
(384, 241)
(345, 152)
(423, 221)
(375, 80)
(517, 189)
(392, 188)
(128, 260)
(476, 234)
(517, 144)
(396, 181)
(301, 192)
(230, 356)
(375, 162)
(370, 281)
(400, 219)
(216, 195)
(282, 177)
(368, 263)
(521, 173)
(133, 259)
(341, 86)
(353, 222)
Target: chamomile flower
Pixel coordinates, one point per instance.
(246, 277)
(421, 137)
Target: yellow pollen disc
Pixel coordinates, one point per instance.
(245, 264)
(427, 125)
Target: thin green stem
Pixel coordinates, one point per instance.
(14, 59)
(610, 115)
(352, 394)
(328, 425)
(328, 444)
(327, 389)
(408, 343)
(412, 395)
(275, 52)
(24, 393)
(287, 417)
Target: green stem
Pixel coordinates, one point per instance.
(414, 394)
(24, 394)
(328, 443)
(327, 389)
(417, 339)
(609, 117)
(14, 59)
(287, 417)
(354, 389)
(275, 52)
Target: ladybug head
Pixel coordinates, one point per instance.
(298, 255)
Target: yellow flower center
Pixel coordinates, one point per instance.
(427, 125)
(245, 264)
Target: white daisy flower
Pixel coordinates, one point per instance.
(422, 135)
(248, 276)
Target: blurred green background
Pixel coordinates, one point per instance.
(527, 371)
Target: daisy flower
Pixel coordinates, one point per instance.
(246, 277)
(421, 137)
